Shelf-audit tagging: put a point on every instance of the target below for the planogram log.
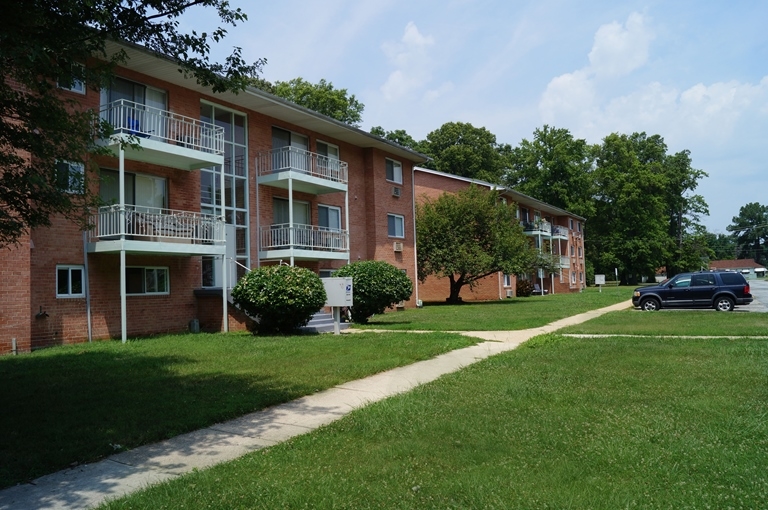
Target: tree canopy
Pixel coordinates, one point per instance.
(467, 236)
(47, 45)
(462, 149)
(320, 97)
(750, 232)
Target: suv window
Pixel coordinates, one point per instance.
(732, 279)
(683, 281)
(701, 280)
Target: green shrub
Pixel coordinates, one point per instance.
(283, 298)
(524, 288)
(376, 286)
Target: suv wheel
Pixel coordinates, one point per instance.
(724, 304)
(650, 305)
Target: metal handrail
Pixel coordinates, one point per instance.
(155, 223)
(301, 161)
(142, 121)
(307, 237)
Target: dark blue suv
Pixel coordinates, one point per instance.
(721, 290)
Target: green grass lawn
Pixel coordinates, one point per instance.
(79, 403)
(675, 322)
(558, 423)
(501, 315)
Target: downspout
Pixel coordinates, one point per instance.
(415, 254)
(87, 287)
(123, 283)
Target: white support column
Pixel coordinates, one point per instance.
(290, 217)
(123, 290)
(224, 275)
(346, 219)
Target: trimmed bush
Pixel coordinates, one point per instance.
(376, 286)
(524, 288)
(283, 298)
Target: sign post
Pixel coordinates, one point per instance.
(600, 281)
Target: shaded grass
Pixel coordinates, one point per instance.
(502, 315)
(675, 322)
(78, 403)
(558, 423)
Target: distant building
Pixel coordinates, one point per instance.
(747, 267)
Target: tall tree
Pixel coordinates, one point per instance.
(467, 236)
(629, 228)
(44, 45)
(556, 168)
(723, 246)
(750, 230)
(462, 149)
(321, 97)
(398, 136)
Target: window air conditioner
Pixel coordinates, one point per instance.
(510, 293)
(397, 246)
(395, 191)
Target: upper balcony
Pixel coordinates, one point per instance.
(303, 242)
(559, 232)
(160, 137)
(310, 172)
(150, 230)
(537, 228)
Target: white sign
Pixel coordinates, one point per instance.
(599, 279)
(338, 291)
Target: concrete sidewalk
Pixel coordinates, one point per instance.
(89, 485)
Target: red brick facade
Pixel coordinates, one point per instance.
(431, 184)
(35, 315)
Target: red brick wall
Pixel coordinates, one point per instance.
(15, 297)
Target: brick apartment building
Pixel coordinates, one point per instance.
(299, 188)
(550, 229)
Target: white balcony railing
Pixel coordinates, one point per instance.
(144, 121)
(559, 230)
(303, 237)
(539, 227)
(565, 262)
(154, 224)
(301, 161)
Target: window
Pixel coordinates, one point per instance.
(570, 223)
(72, 83)
(581, 277)
(394, 171)
(581, 252)
(329, 217)
(135, 108)
(69, 282)
(507, 280)
(573, 278)
(578, 226)
(702, 280)
(524, 215)
(146, 192)
(395, 225)
(328, 150)
(147, 280)
(572, 252)
(70, 177)
(682, 282)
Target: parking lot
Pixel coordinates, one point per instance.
(759, 289)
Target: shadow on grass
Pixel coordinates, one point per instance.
(80, 406)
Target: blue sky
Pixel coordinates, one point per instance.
(693, 72)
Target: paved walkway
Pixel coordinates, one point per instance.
(91, 484)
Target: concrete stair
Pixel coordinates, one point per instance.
(322, 322)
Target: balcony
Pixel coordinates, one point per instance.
(155, 231)
(537, 228)
(160, 137)
(565, 262)
(560, 232)
(303, 242)
(309, 172)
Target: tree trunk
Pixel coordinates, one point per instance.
(456, 286)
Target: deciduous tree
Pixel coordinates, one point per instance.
(44, 45)
(750, 230)
(467, 236)
(323, 98)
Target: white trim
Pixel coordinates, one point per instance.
(395, 166)
(402, 220)
(69, 268)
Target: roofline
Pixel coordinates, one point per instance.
(505, 191)
(261, 102)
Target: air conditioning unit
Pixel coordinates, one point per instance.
(400, 305)
(397, 246)
(395, 191)
(510, 293)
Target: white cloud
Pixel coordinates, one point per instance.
(618, 50)
(413, 64)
